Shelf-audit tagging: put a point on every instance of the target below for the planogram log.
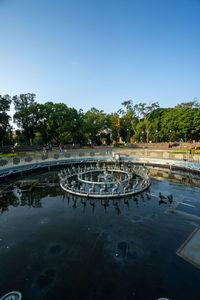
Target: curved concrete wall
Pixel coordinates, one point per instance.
(10, 166)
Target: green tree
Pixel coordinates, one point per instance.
(25, 114)
(5, 127)
(57, 122)
(144, 111)
(93, 124)
(128, 120)
(192, 104)
(142, 131)
(196, 125)
(144, 128)
(175, 123)
(112, 122)
(158, 132)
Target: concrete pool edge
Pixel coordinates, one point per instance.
(24, 166)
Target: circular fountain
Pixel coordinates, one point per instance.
(98, 220)
(104, 180)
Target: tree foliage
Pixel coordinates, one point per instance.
(5, 127)
(25, 114)
(93, 124)
(191, 104)
(56, 122)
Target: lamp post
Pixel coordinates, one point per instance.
(18, 132)
(147, 131)
(156, 136)
(170, 135)
(128, 137)
(141, 138)
(118, 130)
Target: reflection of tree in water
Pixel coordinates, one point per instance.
(6, 201)
(29, 192)
(31, 200)
(44, 191)
(23, 199)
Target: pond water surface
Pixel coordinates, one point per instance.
(55, 246)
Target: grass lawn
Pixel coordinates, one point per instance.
(185, 151)
(19, 154)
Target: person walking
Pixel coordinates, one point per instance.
(50, 146)
(60, 147)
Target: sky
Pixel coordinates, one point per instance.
(99, 53)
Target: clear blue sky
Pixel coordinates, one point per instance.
(99, 53)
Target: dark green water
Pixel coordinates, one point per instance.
(58, 247)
